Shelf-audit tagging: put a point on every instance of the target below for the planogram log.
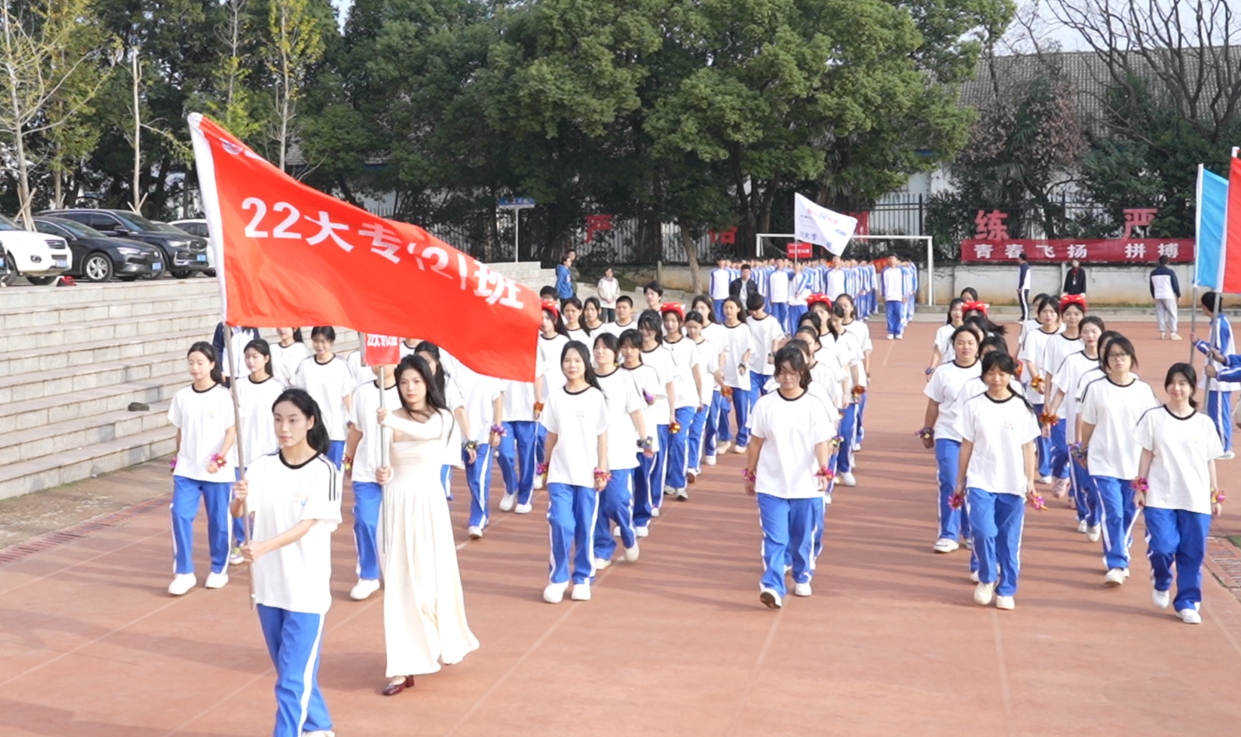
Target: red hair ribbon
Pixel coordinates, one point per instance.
(673, 307)
(1073, 299)
(550, 304)
(974, 307)
(819, 299)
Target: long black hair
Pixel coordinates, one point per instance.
(263, 349)
(583, 352)
(741, 313)
(414, 362)
(557, 322)
(708, 315)
(208, 351)
(611, 342)
(1187, 372)
(631, 338)
(792, 356)
(1004, 362)
(813, 318)
(956, 302)
(432, 350)
(649, 319)
(316, 435)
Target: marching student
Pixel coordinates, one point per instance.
(778, 294)
(1178, 491)
(287, 354)
(255, 395)
(800, 290)
(861, 332)
(1110, 409)
(1066, 388)
(945, 394)
(1219, 393)
(576, 418)
(1033, 345)
(624, 317)
(552, 339)
(363, 459)
(330, 382)
(203, 415)
(1055, 350)
(701, 442)
(687, 380)
(787, 471)
(849, 354)
(648, 381)
(721, 278)
(592, 315)
(894, 298)
(827, 376)
(571, 310)
(1034, 322)
(995, 477)
(657, 357)
(626, 431)
(941, 349)
(229, 344)
(293, 496)
(517, 452)
(737, 347)
(480, 433)
(454, 401)
(718, 435)
(768, 333)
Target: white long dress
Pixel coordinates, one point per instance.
(424, 607)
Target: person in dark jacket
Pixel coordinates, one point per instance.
(1166, 290)
(744, 286)
(231, 351)
(1075, 278)
(1023, 286)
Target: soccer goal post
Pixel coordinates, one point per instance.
(869, 246)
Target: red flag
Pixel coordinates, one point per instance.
(381, 350)
(291, 255)
(1232, 231)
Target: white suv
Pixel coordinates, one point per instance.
(38, 257)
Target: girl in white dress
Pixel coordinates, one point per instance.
(424, 607)
(287, 354)
(576, 418)
(454, 400)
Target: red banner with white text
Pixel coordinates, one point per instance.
(293, 256)
(1109, 250)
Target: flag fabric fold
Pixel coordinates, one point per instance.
(289, 255)
(1212, 206)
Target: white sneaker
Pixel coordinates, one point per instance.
(475, 532)
(601, 563)
(631, 554)
(1226, 457)
(722, 448)
(945, 545)
(234, 556)
(1114, 577)
(641, 531)
(507, 501)
(801, 589)
(319, 733)
(846, 479)
(682, 495)
(1060, 488)
(900, 336)
(1082, 527)
(1126, 570)
(709, 460)
(1044, 479)
(554, 592)
(770, 599)
(182, 583)
(974, 576)
(523, 508)
(1094, 533)
(739, 450)
(581, 592)
(1161, 598)
(216, 580)
(1005, 602)
(539, 481)
(669, 491)
(363, 589)
(983, 593)
(1190, 616)
(655, 511)
(891, 337)
(857, 447)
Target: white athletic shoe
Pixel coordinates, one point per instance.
(1005, 602)
(945, 545)
(581, 592)
(363, 589)
(738, 449)
(554, 592)
(900, 336)
(641, 531)
(682, 495)
(523, 508)
(319, 733)
(234, 556)
(1060, 488)
(539, 481)
(1114, 577)
(891, 337)
(983, 593)
(631, 554)
(654, 511)
(507, 501)
(669, 491)
(857, 447)
(709, 460)
(1190, 616)
(1082, 527)
(722, 448)
(475, 532)
(847, 479)
(770, 599)
(182, 583)
(216, 580)
(601, 563)
(1044, 479)
(1094, 533)
(1161, 598)
(974, 576)
(1126, 570)
(1226, 457)
(801, 589)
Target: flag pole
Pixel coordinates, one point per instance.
(1193, 307)
(241, 450)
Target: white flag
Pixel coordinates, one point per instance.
(821, 226)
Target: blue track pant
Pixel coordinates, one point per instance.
(1042, 448)
(615, 505)
(678, 449)
(741, 405)
(517, 459)
(953, 523)
(185, 495)
(1177, 537)
(699, 428)
(790, 528)
(892, 309)
(1219, 409)
(997, 521)
(572, 515)
(478, 476)
(367, 498)
(1118, 513)
(293, 641)
(336, 452)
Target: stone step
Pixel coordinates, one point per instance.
(72, 379)
(110, 329)
(61, 437)
(48, 358)
(76, 314)
(26, 297)
(92, 460)
(35, 413)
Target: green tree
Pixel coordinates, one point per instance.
(296, 45)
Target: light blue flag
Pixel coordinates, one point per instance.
(1211, 208)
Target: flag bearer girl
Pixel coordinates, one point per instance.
(648, 383)
(945, 395)
(687, 379)
(702, 427)
(787, 470)
(1032, 346)
(287, 354)
(626, 431)
(203, 415)
(255, 396)
(363, 459)
(1065, 389)
(1178, 491)
(576, 418)
(996, 477)
(1110, 410)
(737, 348)
(718, 435)
(657, 357)
(1072, 310)
(861, 332)
(328, 380)
(941, 349)
(293, 496)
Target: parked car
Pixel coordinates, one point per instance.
(184, 254)
(96, 257)
(40, 258)
(198, 227)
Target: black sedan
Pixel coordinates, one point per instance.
(97, 257)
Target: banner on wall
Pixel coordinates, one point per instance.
(1103, 250)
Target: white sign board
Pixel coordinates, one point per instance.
(821, 226)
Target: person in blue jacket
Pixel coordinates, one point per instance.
(564, 276)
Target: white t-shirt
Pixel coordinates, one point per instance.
(790, 430)
(778, 286)
(709, 356)
(817, 389)
(236, 340)
(609, 292)
(519, 401)
(721, 278)
(480, 393)
(998, 430)
(257, 427)
(849, 353)
(285, 360)
(894, 285)
(577, 420)
(361, 373)
(943, 341)
(685, 357)
(647, 381)
(1114, 411)
(829, 375)
(1055, 350)
(861, 333)
(1032, 349)
(328, 384)
(765, 333)
(945, 387)
(549, 354)
(614, 329)
(736, 341)
(368, 456)
(1183, 447)
(297, 576)
(1069, 380)
(660, 360)
(203, 418)
(835, 283)
(579, 335)
(621, 390)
